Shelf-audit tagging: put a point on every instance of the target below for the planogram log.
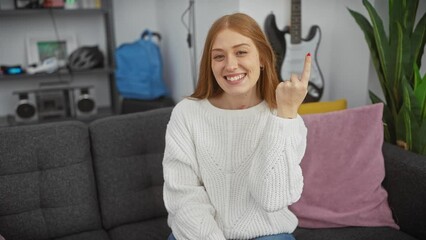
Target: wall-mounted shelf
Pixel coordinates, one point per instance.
(27, 12)
(60, 74)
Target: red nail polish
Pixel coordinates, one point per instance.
(309, 54)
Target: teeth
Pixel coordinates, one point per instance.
(235, 78)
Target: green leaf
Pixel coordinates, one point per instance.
(410, 13)
(388, 120)
(395, 15)
(382, 42)
(397, 65)
(410, 100)
(410, 115)
(418, 40)
(422, 139)
(367, 29)
(420, 92)
(403, 130)
(417, 77)
(417, 138)
(374, 98)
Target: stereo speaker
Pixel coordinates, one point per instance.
(84, 102)
(26, 109)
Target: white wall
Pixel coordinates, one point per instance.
(131, 17)
(177, 68)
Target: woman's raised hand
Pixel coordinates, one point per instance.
(291, 93)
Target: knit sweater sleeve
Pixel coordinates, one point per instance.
(191, 215)
(275, 179)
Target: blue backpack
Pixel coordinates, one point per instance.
(139, 70)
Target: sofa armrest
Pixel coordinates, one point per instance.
(405, 182)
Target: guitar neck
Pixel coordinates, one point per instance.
(296, 21)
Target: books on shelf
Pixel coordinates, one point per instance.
(83, 4)
(87, 4)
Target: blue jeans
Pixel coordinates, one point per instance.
(281, 236)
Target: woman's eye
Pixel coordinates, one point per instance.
(218, 57)
(241, 53)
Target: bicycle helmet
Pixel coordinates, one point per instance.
(86, 57)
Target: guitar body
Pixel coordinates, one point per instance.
(277, 41)
(294, 60)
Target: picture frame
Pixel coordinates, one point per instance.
(40, 48)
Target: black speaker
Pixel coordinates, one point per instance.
(26, 109)
(84, 102)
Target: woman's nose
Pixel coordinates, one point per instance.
(231, 63)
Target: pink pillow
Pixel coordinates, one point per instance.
(343, 169)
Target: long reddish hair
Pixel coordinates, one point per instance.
(245, 25)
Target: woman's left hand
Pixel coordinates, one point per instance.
(291, 93)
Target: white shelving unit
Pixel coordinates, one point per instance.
(89, 26)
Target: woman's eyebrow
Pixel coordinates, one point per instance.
(235, 46)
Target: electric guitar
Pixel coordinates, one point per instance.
(291, 49)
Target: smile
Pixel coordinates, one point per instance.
(235, 77)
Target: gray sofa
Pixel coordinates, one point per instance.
(103, 180)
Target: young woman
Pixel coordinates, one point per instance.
(233, 149)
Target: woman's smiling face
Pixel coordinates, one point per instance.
(235, 64)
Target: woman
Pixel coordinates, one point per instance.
(233, 149)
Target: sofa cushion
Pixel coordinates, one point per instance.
(47, 187)
(343, 169)
(128, 153)
(351, 233)
(155, 229)
(90, 235)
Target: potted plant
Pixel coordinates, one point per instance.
(397, 60)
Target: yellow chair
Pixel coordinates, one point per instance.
(322, 107)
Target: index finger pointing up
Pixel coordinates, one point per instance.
(306, 75)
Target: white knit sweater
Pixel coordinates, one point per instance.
(231, 174)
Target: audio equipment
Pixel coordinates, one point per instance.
(84, 102)
(26, 109)
(55, 103)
